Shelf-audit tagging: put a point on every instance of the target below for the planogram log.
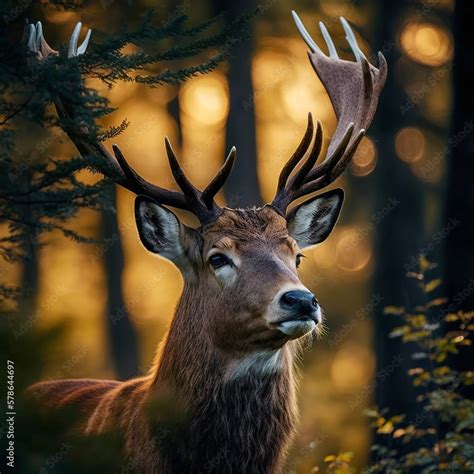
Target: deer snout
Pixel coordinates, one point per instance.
(296, 313)
(300, 304)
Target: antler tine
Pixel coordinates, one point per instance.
(200, 203)
(219, 179)
(128, 178)
(190, 192)
(138, 185)
(297, 155)
(287, 185)
(304, 33)
(307, 166)
(352, 40)
(330, 161)
(354, 89)
(339, 164)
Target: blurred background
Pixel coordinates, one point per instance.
(402, 199)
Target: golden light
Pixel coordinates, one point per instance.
(427, 43)
(365, 158)
(352, 368)
(353, 252)
(206, 99)
(410, 144)
(269, 67)
(301, 92)
(429, 170)
(437, 105)
(276, 143)
(325, 255)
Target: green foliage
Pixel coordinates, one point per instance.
(447, 444)
(40, 192)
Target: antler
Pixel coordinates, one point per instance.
(200, 203)
(354, 89)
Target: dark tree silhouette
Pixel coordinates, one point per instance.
(459, 247)
(399, 235)
(121, 333)
(242, 187)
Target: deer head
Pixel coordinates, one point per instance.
(243, 262)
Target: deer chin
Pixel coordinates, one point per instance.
(296, 328)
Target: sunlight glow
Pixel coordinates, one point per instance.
(352, 367)
(353, 252)
(427, 43)
(410, 144)
(365, 158)
(205, 99)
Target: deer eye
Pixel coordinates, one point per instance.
(298, 259)
(219, 260)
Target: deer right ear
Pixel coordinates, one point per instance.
(312, 221)
(159, 229)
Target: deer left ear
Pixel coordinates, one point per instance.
(311, 222)
(159, 228)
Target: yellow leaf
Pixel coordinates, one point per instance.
(418, 321)
(451, 317)
(443, 370)
(387, 428)
(437, 302)
(330, 458)
(345, 457)
(432, 285)
(399, 433)
(397, 419)
(415, 371)
(424, 263)
(381, 421)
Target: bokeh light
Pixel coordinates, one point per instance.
(352, 367)
(365, 158)
(205, 99)
(410, 144)
(427, 43)
(353, 252)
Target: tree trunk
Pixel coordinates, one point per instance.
(459, 212)
(399, 235)
(121, 333)
(27, 304)
(242, 188)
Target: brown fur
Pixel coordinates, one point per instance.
(194, 411)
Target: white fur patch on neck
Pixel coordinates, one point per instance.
(258, 363)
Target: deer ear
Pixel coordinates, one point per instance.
(159, 229)
(311, 222)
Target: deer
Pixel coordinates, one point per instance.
(229, 359)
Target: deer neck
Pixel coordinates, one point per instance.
(188, 358)
(230, 402)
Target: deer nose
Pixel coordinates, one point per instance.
(301, 303)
